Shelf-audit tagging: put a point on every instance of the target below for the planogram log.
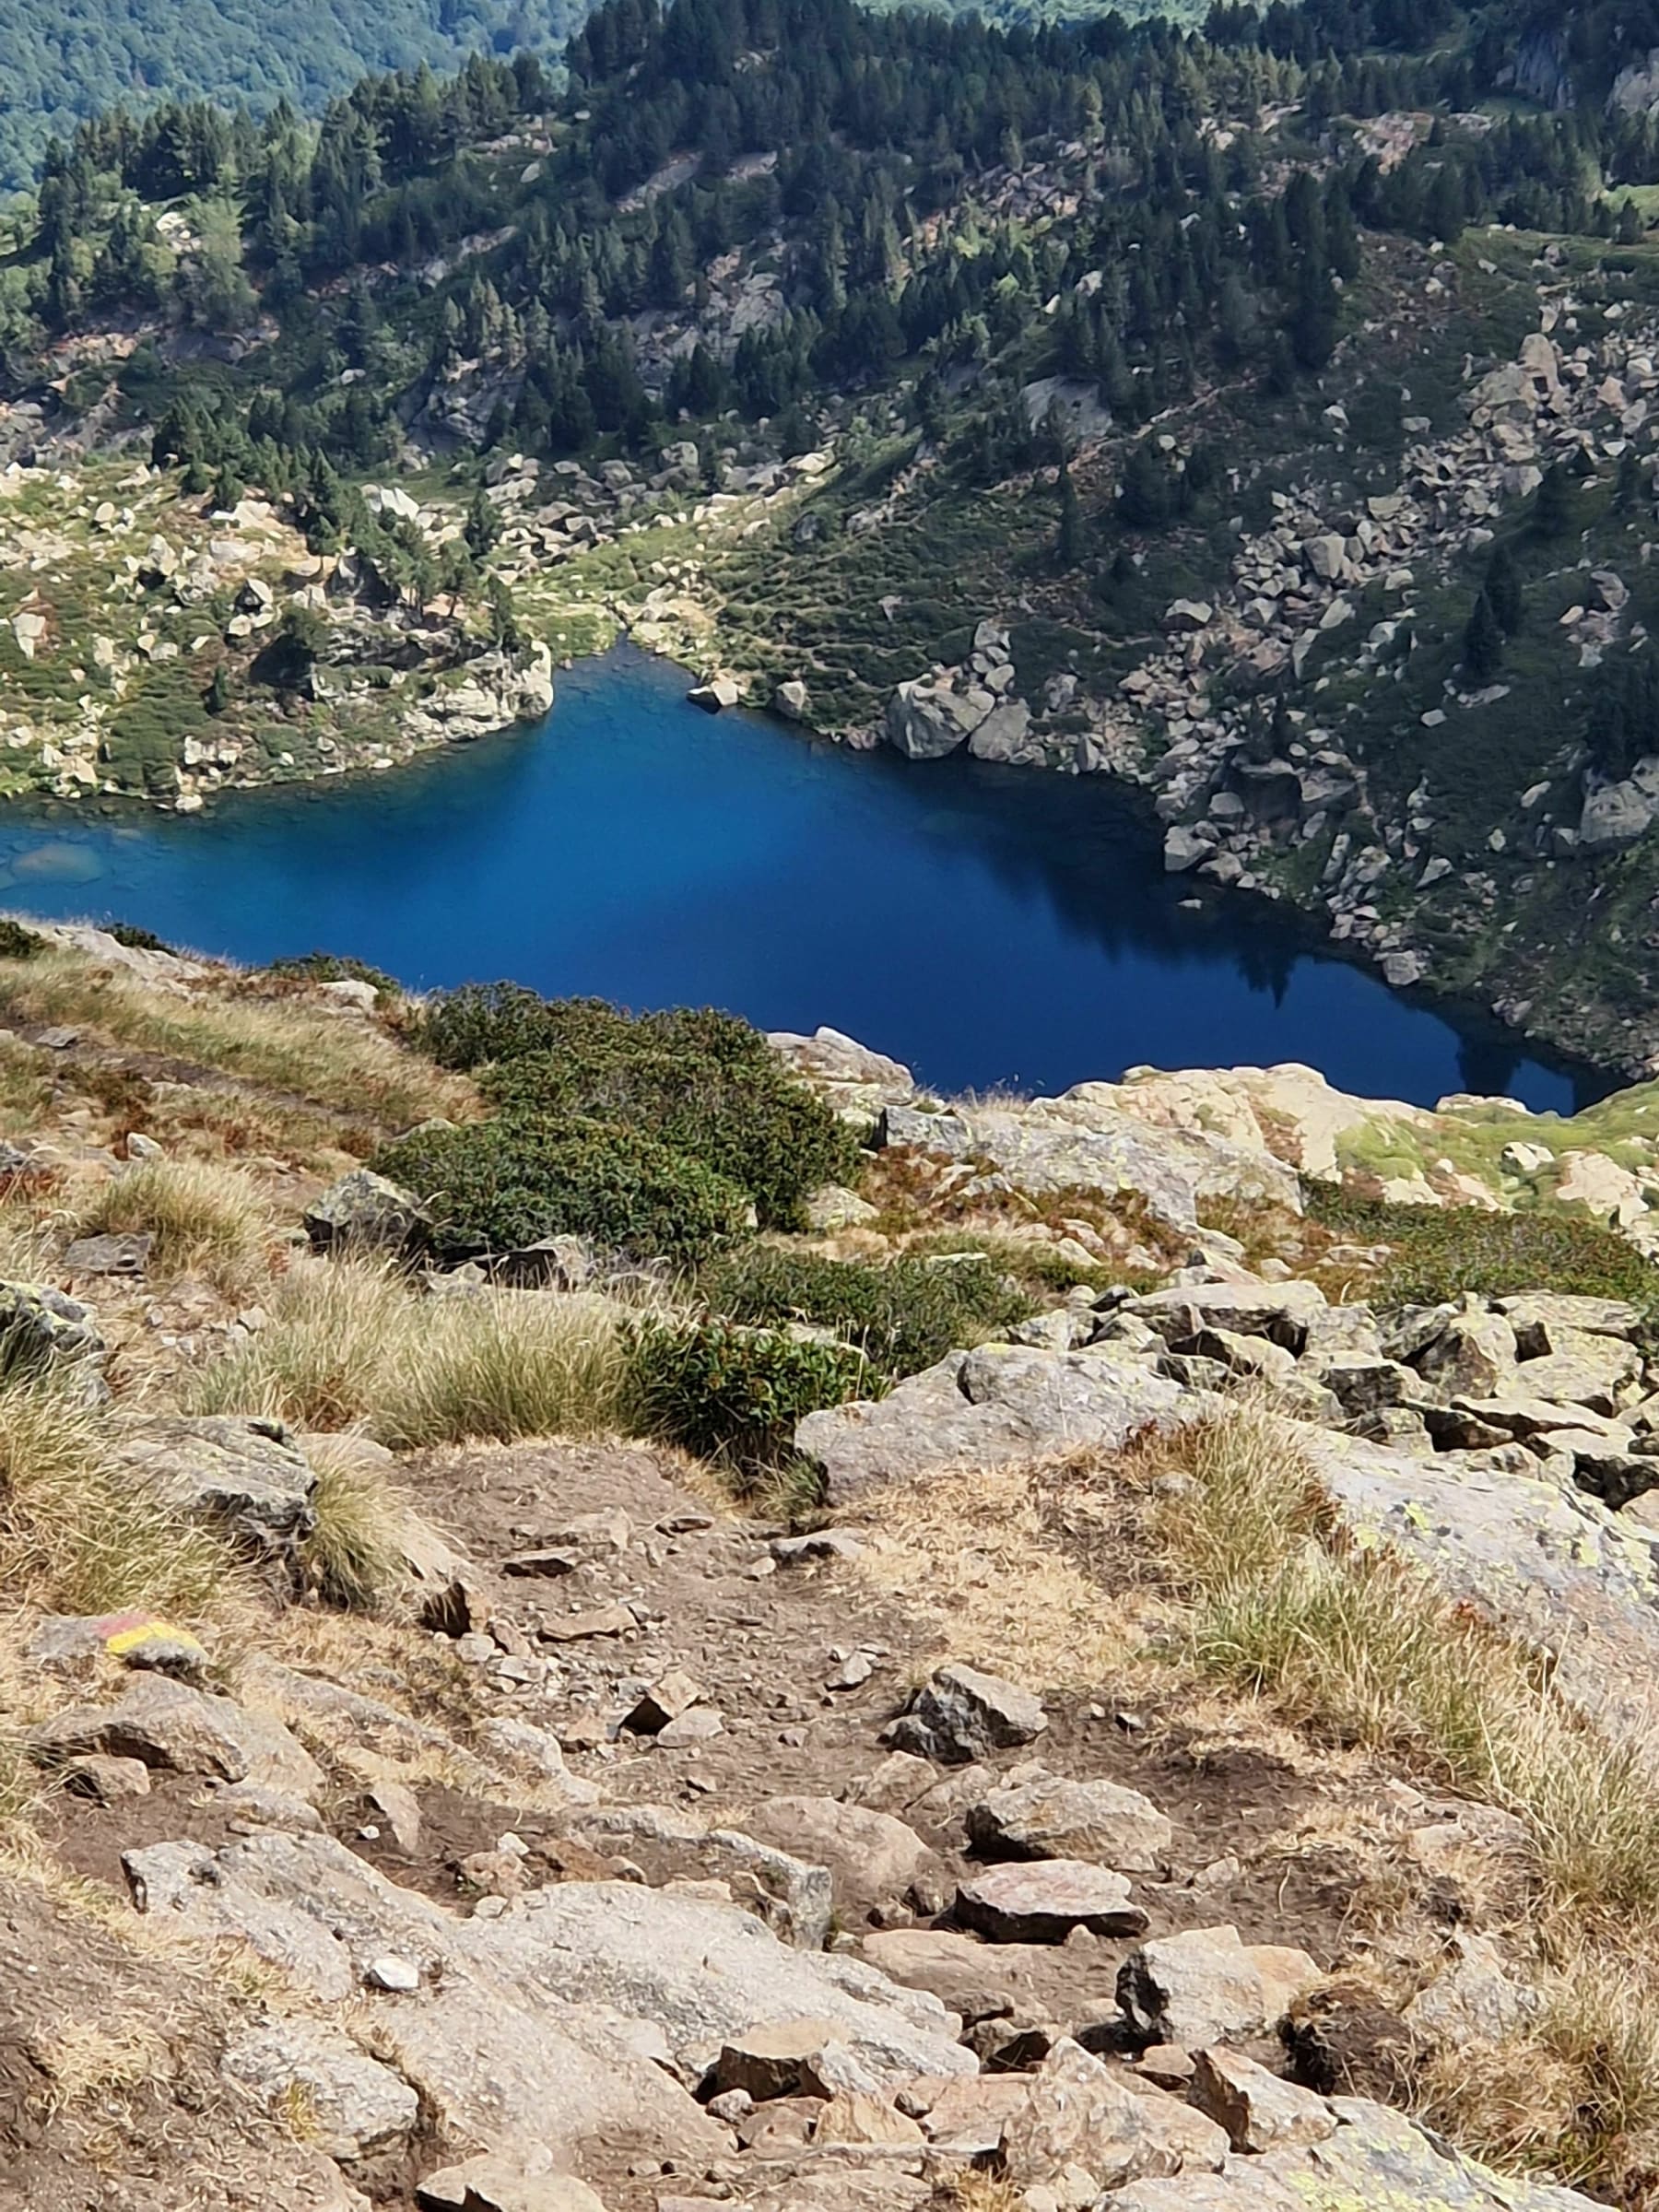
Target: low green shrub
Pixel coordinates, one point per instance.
(733, 1393)
(17, 943)
(903, 1316)
(1439, 1253)
(336, 968)
(481, 1022)
(702, 1082)
(747, 1119)
(494, 1186)
(136, 939)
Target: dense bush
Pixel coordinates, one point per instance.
(702, 1082)
(135, 937)
(481, 1022)
(1439, 1253)
(903, 1316)
(493, 1185)
(17, 943)
(336, 968)
(734, 1394)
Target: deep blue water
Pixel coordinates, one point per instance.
(987, 924)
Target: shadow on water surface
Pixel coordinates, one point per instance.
(988, 924)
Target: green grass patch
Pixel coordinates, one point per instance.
(903, 1316)
(1440, 1252)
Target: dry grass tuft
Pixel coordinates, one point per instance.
(508, 1364)
(351, 1067)
(1359, 1646)
(1577, 2095)
(29, 1232)
(208, 1220)
(352, 1558)
(331, 1337)
(24, 1085)
(983, 2193)
(78, 1536)
(974, 1552)
(1212, 1558)
(294, 2108)
(87, 2058)
(18, 1785)
(349, 1343)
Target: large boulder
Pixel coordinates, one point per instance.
(1472, 1355)
(1003, 734)
(984, 1407)
(960, 1715)
(875, 1861)
(42, 1328)
(924, 719)
(832, 1057)
(1327, 555)
(1377, 2161)
(355, 2105)
(530, 685)
(977, 1979)
(1041, 1901)
(169, 1725)
(1284, 1313)
(1289, 1110)
(1621, 814)
(946, 1135)
(243, 1475)
(1205, 1985)
(1553, 1566)
(1051, 1146)
(1474, 2000)
(1546, 1322)
(705, 1972)
(488, 2184)
(857, 1082)
(792, 1893)
(1259, 2111)
(367, 1212)
(471, 2015)
(1581, 1368)
(1080, 2116)
(1040, 1816)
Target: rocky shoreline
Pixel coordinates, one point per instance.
(1328, 593)
(1296, 820)
(154, 646)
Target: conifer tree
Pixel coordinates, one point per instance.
(1503, 591)
(1482, 644)
(1552, 504)
(1069, 545)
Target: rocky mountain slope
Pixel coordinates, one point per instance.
(161, 645)
(1140, 1703)
(1261, 416)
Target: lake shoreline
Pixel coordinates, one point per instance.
(1025, 828)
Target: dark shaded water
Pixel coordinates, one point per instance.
(987, 924)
